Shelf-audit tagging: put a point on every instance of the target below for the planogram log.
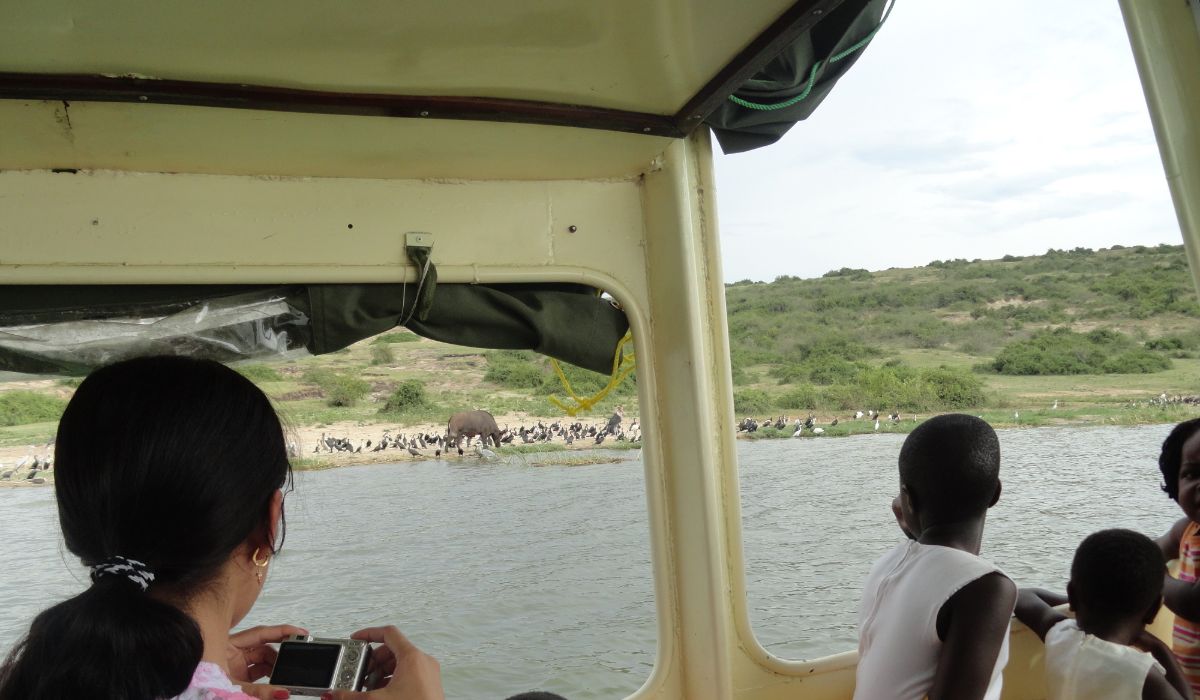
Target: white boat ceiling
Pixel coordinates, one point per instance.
(608, 63)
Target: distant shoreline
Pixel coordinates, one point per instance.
(586, 452)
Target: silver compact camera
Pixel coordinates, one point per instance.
(311, 665)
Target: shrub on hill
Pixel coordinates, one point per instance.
(1176, 345)
(954, 387)
(849, 273)
(805, 396)
(382, 354)
(751, 402)
(409, 396)
(1147, 292)
(345, 391)
(894, 386)
(338, 389)
(1063, 351)
(887, 388)
(515, 369)
(21, 407)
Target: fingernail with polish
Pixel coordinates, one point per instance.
(281, 694)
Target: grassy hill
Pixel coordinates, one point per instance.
(951, 335)
(818, 340)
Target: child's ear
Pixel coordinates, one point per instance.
(995, 496)
(909, 506)
(1071, 596)
(1152, 612)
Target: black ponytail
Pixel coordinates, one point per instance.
(91, 639)
(169, 461)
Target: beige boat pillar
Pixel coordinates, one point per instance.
(1165, 35)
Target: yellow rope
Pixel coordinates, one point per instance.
(584, 404)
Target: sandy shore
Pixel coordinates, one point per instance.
(306, 439)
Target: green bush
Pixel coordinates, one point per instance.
(1136, 362)
(345, 391)
(409, 396)
(955, 388)
(751, 401)
(515, 369)
(258, 373)
(801, 397)
(1062, 351)
(382, 355)
(849, 273)
(338, 389)
(22, 407)
(1166, 343)
(887, 388)
(790, 373)
(317, 376)
(832, 370)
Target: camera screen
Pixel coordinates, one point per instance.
(308, 665)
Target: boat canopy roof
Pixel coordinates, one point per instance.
(421, 90)
(309, 88)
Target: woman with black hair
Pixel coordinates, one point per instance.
(169, 477)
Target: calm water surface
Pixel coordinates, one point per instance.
(521, 577)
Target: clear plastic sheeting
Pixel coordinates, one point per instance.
(225, 329)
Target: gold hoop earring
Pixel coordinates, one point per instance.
(260, 565)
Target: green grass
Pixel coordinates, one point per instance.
(37, 434)
(259, 373)
(311, 464)
(22, 407)
(1182, 378)
(396, 337)
(533, 448)
(316, 412)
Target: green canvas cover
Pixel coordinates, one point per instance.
(72, 329)
(793, 85)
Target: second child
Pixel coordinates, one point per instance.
(1115, 590)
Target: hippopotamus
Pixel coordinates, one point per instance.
(470, 424)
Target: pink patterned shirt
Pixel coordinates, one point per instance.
(209, 682)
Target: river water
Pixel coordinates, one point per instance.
(519, 577)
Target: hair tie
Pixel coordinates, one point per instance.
(131, 569)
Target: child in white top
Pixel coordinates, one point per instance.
(1115, 590)
(934, 617)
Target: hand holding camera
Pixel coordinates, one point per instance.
(250, 657)
(349, 669)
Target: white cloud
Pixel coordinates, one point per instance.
(964, 131)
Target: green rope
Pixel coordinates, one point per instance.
(812, 74)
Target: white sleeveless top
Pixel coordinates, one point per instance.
(898, 645)
(1079, 665)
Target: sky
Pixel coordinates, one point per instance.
(965, 130)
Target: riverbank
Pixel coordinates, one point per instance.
(22, 445)
(305, 440)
